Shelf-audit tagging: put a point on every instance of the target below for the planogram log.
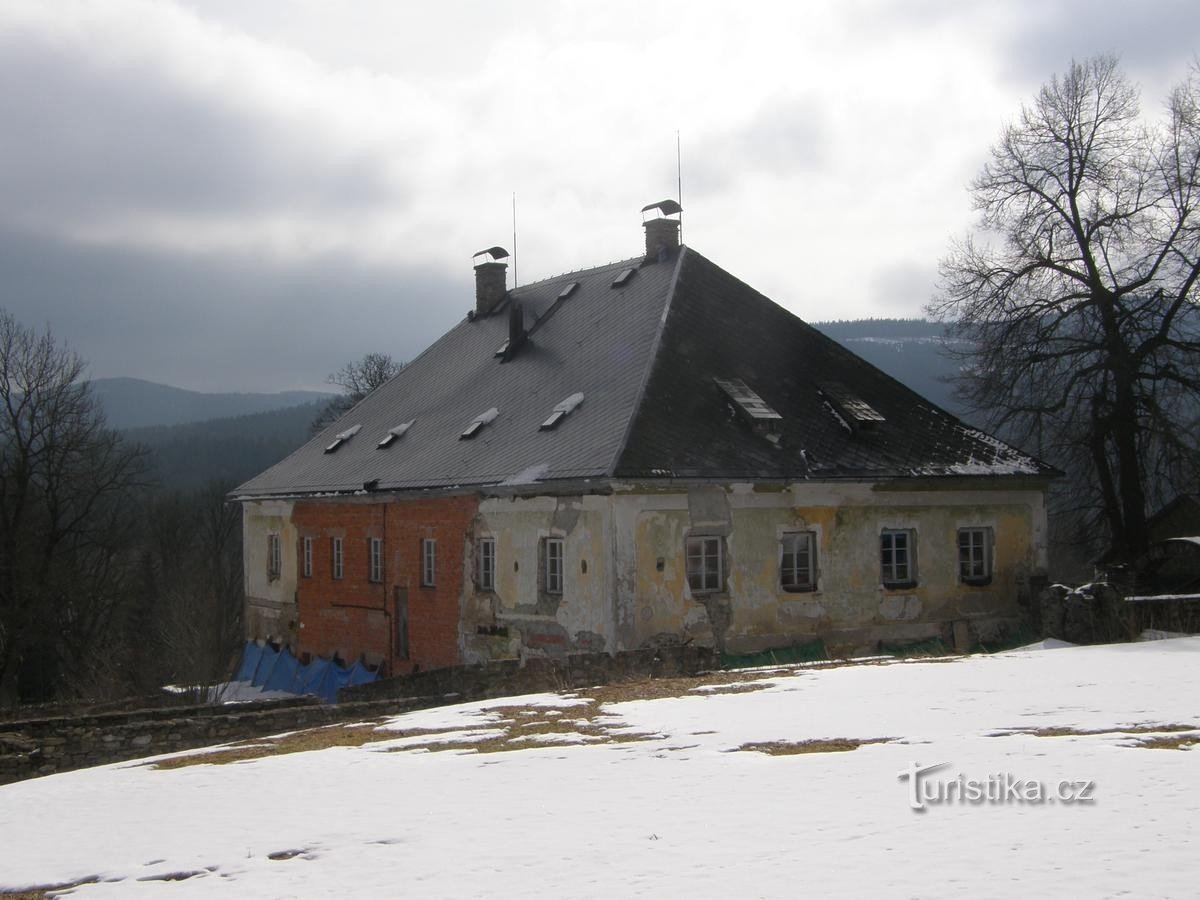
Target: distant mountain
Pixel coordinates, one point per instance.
(134, 403)
(229, 449)
(913, 351)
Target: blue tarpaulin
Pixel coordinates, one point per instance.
(278, 670)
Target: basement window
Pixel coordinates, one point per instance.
(568, 290)
(561, 411)
(624, 277)
(477, 424)
(705, 564)
(898, 557)
(394, 434)
(975, 555)
(342, 437)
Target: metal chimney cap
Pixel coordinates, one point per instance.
(496, 253)
(664, 207)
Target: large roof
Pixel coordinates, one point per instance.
(661, 362)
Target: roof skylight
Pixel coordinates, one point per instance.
(749, 403)
(568, 290)
(477, 424)
(342, 437)
(395, 434)
(860, 413)
(561, 411)
(623, 279)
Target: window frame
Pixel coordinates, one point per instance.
(485, 564)
(375, 560)
(893, 580)
(797, 586)
(274, 556)
(554, 553)
(337, 558)
(306, 557)
(428, 562)
(709, 546)
(985, 548)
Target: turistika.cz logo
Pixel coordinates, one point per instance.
(996, 790)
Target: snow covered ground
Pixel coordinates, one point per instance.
(654, 796)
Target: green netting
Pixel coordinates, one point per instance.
(794, 653)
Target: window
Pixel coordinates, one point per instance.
(705, 564)
(375, 559)
(975, 555)
(428, 562)
(798, 562)
(335, 552)
(306, 557)
(552, 565)
(274, 556)
(898, 557)
(485, 564)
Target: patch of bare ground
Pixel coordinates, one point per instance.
(821, 745)
(49, 890)
(1176, 742)
(1068, 731)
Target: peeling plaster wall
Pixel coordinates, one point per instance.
(850, 608)
(519, 618)
(270, 610)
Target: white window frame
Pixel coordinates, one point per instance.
(975, 556)
(337, 558)
(306, 557)
(274, 556)
(485, 564)
(375, 560)
(553, 565)
(428, 562)
(891, 573)
(793, 577)
(698, 551)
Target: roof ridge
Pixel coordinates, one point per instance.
(632, 260)
(652, 358)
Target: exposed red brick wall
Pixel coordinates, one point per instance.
(354, 615)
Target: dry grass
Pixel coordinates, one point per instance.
(1067, 731)
(519, 727)
(827, 745)
(1178, 742)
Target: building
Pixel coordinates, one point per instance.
(641, 452)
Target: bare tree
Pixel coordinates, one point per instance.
(356, 380)
(1079, 297)
(66, 516)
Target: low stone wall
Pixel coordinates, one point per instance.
(510, 678)
(33, 747)
(43, 745)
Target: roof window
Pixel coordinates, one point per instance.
(623, 279)
(502, 349)
(395, 434)
(568, 290)
(749, 403)
(561, 411)
(342, 437)
(856, 411)
(478, 423)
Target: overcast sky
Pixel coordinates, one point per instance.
(245, 194)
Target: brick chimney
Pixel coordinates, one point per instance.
(491, 279)
(662, 234)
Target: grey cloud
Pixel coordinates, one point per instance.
(83, 140)
(902, 289)
(785, 135)
(221, 323)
